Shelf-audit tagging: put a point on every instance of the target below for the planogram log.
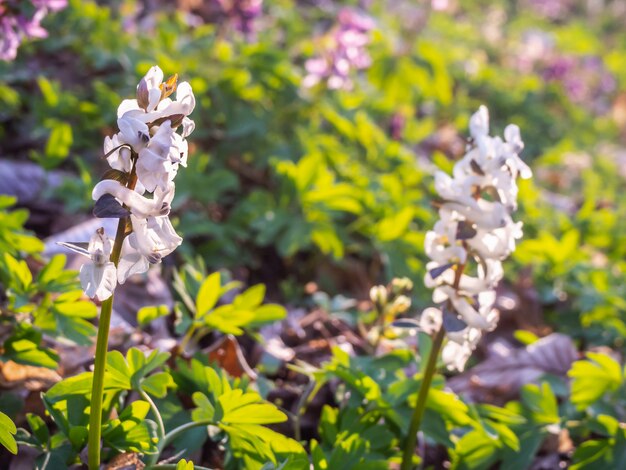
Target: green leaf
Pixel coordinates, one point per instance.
(58, 145)
(475, 450)
(39, 428)
(24, 347)
(251, 298)
(204, 410)
(184, 465)
(18, 271)
(587, 454)
(52, 270)
(147, 315)
(525, 337)
(500, 414)
(157, 384)
(77, 385)
(392, 227)
(198, 377)
(132, 432)
(209, 294)
(542, 403)
(593, 378)
(268, 313)
(251, 442)
(521, 459)
(78, 436)
(449, 406)
(49, 91)
(237, 407)
(133, 372)
(228, 319)
(7, 433)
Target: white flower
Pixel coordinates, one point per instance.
(153, 238)
(120, 158)
(156, 237)
(430, 320)
(133, 132)
(479, 122)
(441, 244)
(139, 205)
(149, 89)
(184, 104)
(188, 126)
(149, 93)
(475, 230)
(456, 353)
(98, 277)
(131, 260)
(157, 163)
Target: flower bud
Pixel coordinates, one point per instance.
(401, 285)
(401, 304)
(143, 97)
(378, 296)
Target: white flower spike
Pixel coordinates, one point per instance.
(148, 151)
(475, 228)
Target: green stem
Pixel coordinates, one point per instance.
(102, 343)
(300, 409)
(418, 412)
(97, 389)
(186, 338)
(157, 414)
(169, 437)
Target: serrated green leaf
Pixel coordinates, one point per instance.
(237, 407)
(204, 410)
(541, 402)
(592, 378)
(157, 384)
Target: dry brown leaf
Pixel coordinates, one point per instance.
(32, 378)
(506, 370)
(126, 461)
(228, 355)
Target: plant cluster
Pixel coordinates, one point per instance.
(329, 155)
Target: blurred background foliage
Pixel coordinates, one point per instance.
(296, 184)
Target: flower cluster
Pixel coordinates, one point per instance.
(242, 14)
(474, 234)
(551, 9)
(585, 79)
(345, 50)
(22, 19)
(144, 156)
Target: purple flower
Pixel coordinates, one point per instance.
(346, 50)
(16, 26)
(9, 39)
(242, 14)
(585, 80)
(552, 9)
